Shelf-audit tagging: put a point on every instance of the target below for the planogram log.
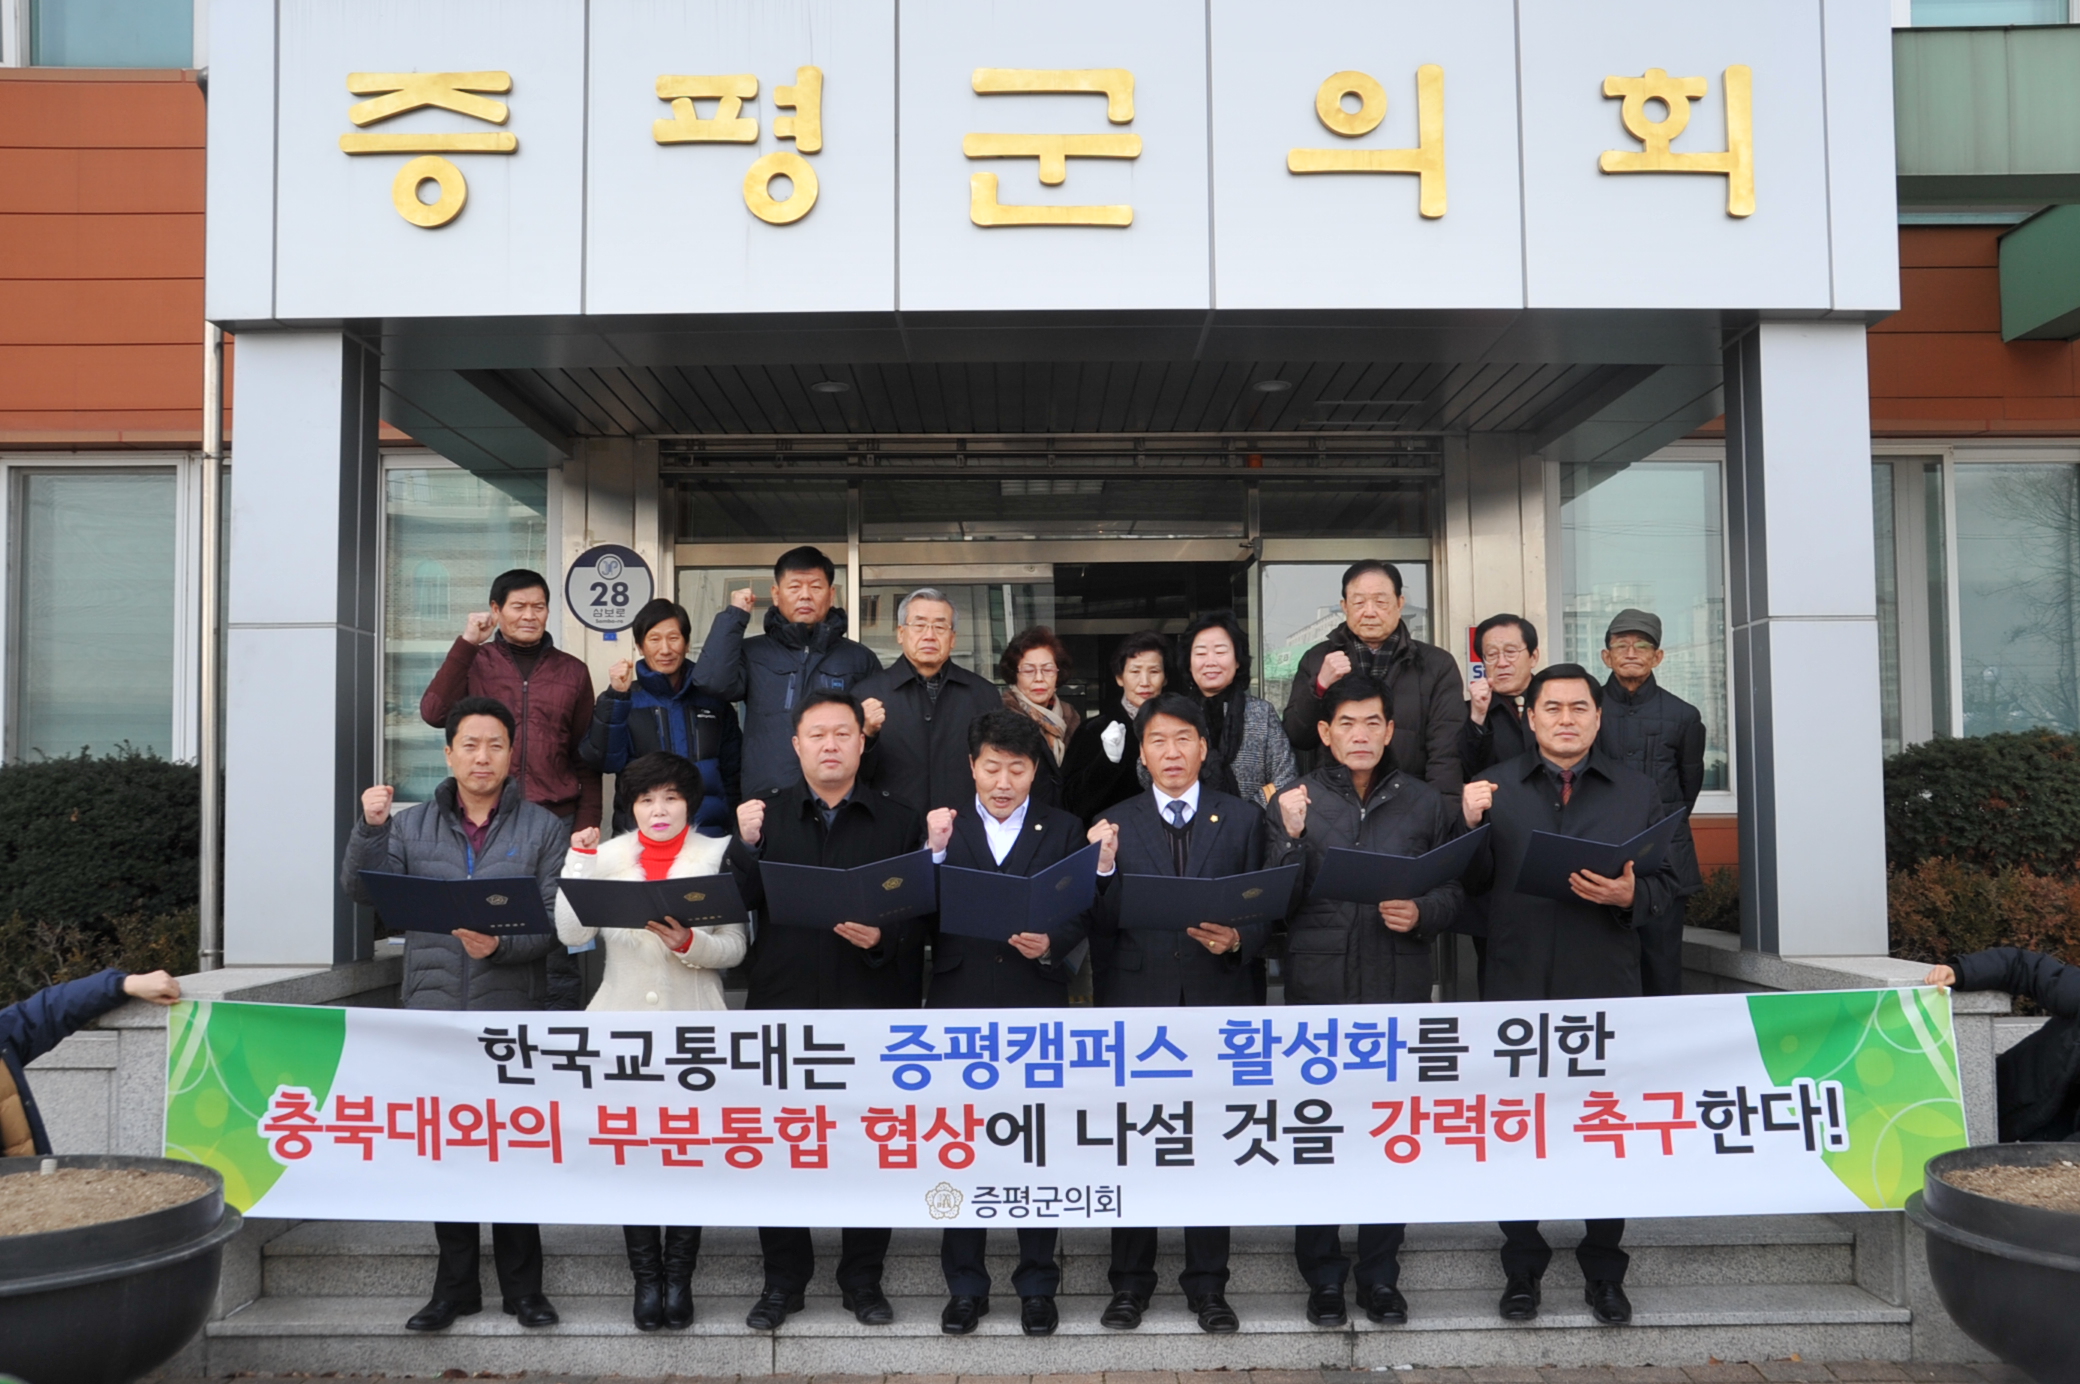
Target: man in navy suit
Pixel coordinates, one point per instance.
(1007, 832)
(1182, 829)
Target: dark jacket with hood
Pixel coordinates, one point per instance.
(920, 755)
(1656, 733)
(1425, 698)
(552, 709)
(425, 839)
(770, 674)
(29, 1030)
(1342, 953)
(2038, 1080)
(687, 720)
(976, 973)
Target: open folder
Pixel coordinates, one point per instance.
(983, 903)
(887, 891)
(502, 906)
(1549, 859)
(691, 901)
(1165, 903)
(1370, 877)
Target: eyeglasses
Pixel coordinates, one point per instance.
(930, 626)
(1035, 670)
(1632, 646)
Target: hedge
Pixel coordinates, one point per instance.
(1993, 801)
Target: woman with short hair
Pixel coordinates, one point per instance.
(652, 703)
(1250, 756)
(1100, 768)
(1032, 670)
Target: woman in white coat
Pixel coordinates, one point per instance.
(664, 967)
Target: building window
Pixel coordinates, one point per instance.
(112, 33)
(446, 533)
(2018, 596)
(1650, 536)
(92, 620)
(1953, 14)
(1909, 522)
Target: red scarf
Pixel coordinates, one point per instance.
(658, 857)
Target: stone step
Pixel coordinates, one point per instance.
(384, 1259)
(1673, 1325)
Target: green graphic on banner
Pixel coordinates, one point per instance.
(1895, 1054)
(223, 1064)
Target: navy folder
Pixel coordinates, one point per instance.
(500, 906)
(1371, 877)
(1165, 903)
(986, 904)
(1549, 859)
(691, 901)
(887, 891)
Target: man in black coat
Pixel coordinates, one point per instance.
(1181, 829)
(918, 710)
(1424, 693)
(829, 819)
(1006, 830)
(2038, 1080)
(1495, 731)
(1540, 949)
(1347, 953)
(1652, 731)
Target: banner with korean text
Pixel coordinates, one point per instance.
(1696, 1105)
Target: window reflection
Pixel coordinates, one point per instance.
(2018, 578)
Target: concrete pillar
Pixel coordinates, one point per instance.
(302, 705)
(1494, 536)
(1803, 601)
(610, 495)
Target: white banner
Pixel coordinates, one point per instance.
(1699, 1105)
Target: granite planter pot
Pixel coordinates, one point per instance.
(2008, 1274)
(107, 1303)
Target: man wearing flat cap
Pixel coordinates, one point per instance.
(1653, 731)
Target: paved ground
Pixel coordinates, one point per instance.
(1767, 1372)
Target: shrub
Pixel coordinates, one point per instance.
(1994, 802)
(33, 955)
(1941, 909)
(1718, 905)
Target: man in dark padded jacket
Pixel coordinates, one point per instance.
(2038, 1080)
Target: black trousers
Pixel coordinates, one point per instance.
(791, 1258)
(1318, 1250)
(515, 1249)
(1526, 1253)
(1205, 1261)
(1661, 953)
(1037, 1274)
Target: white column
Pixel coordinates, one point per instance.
(1803, 600)
(301, 688)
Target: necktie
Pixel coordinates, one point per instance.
(1177, 810)
(1566, 786)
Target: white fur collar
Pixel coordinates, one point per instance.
(622, 857)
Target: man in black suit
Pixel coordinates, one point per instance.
(829, 819)
(919, 708)
(1495, 731)
(1181, 829)
(1585, 948)
(1008, 832)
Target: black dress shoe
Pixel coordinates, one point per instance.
(1037, 1316)
(1607, 1301)
(532, 1310)
(440, 1314)
(1520, 1299)
(1123, 1313)
(1383, 1303)
(1325, 1308)
(1215, 1315)
(963, 1314)
(771, 1310)
(869, 1307)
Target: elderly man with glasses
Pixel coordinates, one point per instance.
(919, 709)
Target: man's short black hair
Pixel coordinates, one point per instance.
(1563, 672)
(1364, 568)
(660, 769)
(804, 559)
(1135, 645)
(477, 706)
(655, 613)
(1496, 622)
(1172, 704)
(1012, 732)
(519, 579)
(1352, 687)
(828, 696)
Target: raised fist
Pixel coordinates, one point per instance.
(938, 828)
(375, 804)
(743, 600)
(1476, 800)
(1106, 834)
(622, 675)
(876, 714)
(1334, 666)
(1477, 699)
(482, 624)
(586, 840)
(1292, 807)
(751, 819)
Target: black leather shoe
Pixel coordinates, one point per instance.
(869, 1307)
(1383, 1303)
(1607, 1301)
(1520, 1299)
(962, 1315)
(1325, 1308)
(440, 1314)
(1123, 1313)
(1216, 1316)
(1037, 1316)
(532, 1310)
(771, 1310)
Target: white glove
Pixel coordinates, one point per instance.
(1114, 739)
